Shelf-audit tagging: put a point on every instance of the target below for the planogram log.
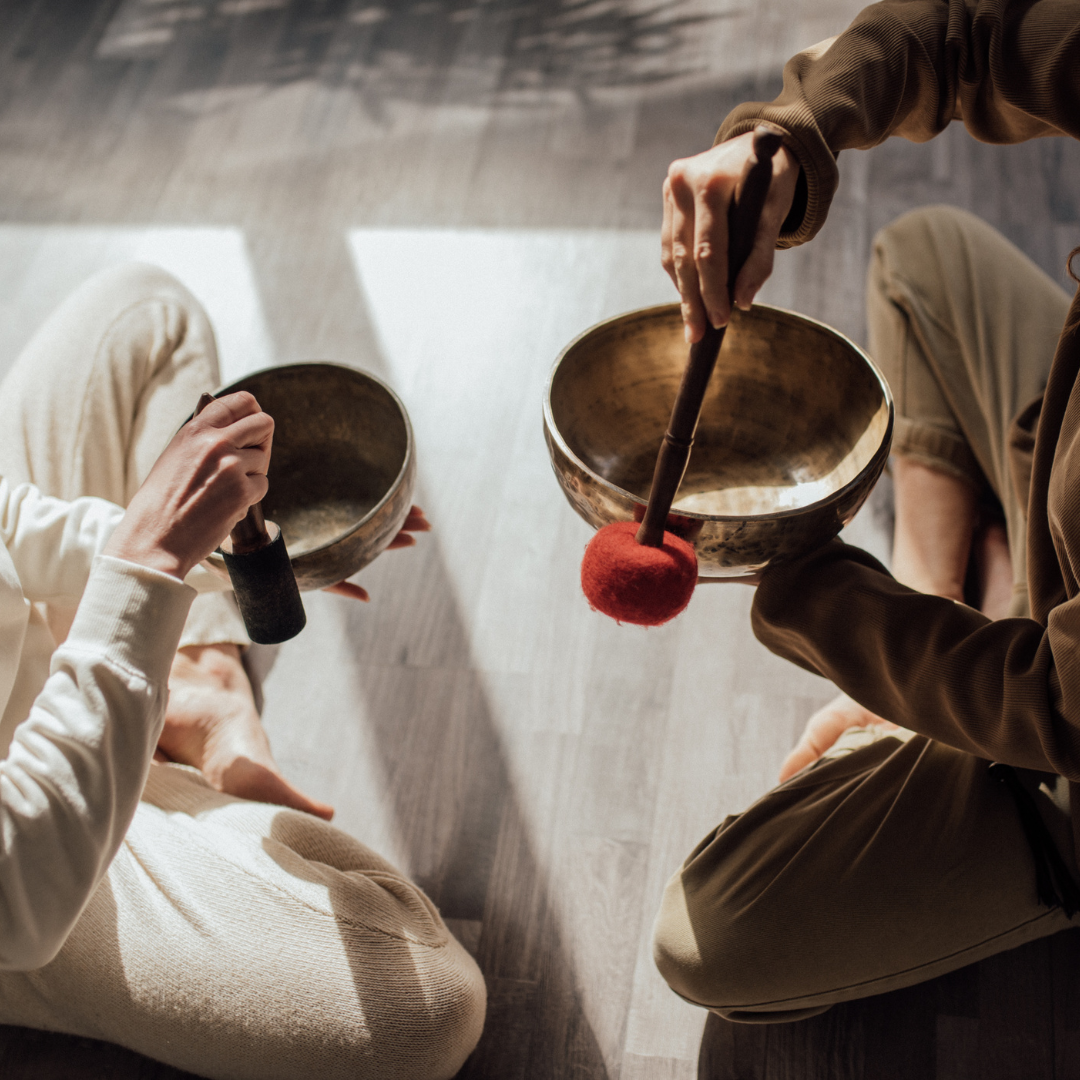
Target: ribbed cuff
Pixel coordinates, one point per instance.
(817, 162)
(133, 615)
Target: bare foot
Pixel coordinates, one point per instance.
(211, 723)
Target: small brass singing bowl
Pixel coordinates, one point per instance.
(794, 432)
(342, 466)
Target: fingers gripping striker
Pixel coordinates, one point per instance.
(261, 575)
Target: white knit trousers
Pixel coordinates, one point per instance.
(232, 939)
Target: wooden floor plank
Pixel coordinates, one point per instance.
(995, 1019)
(39, 1055)
(1065, 963)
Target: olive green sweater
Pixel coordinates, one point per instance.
(1006, 690)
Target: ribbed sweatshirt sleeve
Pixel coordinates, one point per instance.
(53, 542)
(1010, 69)
(990, 688)
(77, 765)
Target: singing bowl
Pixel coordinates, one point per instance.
(342, 467)
(794, 432)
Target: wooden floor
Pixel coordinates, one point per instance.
(1012, 1017)
(445, 192)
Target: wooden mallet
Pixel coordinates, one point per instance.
(643, 574)
(261, 574)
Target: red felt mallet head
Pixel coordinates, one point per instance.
(647, 575)
(635, 582)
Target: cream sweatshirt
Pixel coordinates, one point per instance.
(78, 755)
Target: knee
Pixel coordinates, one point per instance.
(721, 942)
(145, 301)
(913, 244)
(435, 1024)
(913, 259)
(410, 1000)
(691, 953)
(461, 1010)
(134, 282)
(925, 222)
(407, 1010)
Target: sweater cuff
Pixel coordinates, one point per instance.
(791, 113)
(133, 615)
(819, 173)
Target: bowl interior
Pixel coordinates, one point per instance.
(793, 413)
(340, 443)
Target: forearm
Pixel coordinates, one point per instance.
(52, 542)
(77, 765)
(924, 662)
(908, 68)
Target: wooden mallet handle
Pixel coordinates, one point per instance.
(674, 452)
(250, 532)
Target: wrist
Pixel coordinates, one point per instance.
(133, 549)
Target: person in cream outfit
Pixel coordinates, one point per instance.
(196, 908)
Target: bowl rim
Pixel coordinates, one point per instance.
(555, 434)
(409, 441)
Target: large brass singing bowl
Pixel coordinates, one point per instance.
(342, 467)
(794, 432)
